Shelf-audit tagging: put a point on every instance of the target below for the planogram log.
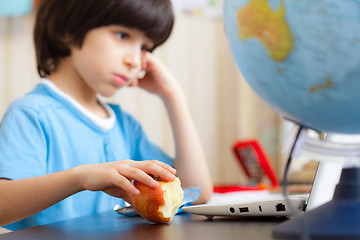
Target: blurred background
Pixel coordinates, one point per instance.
(222, 104)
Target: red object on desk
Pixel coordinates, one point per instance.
(237, 188)
(254, 161)
(255, 164)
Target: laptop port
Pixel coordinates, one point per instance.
(244, 209)
(232, 210)
(280, 207)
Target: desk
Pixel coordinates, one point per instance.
(110, 225)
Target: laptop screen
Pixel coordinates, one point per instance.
(326, 177)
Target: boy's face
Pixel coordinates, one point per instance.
(110, 58)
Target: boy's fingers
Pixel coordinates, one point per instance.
(166, 172)
(154, 164)
(138, 174)
(166, 166)
(134, 83)
(124, 183)
(155, 167)
(140, 171)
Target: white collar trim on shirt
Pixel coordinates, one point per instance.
(104, 124)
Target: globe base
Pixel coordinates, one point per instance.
(337, 219)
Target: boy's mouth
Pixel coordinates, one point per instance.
(120, 80)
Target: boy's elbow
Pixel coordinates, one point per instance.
(205, 194)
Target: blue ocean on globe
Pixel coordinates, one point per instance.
(302, 57)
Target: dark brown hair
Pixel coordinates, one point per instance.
(57, 19)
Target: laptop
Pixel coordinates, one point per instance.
(263, 203)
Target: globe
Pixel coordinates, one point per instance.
(302, 57)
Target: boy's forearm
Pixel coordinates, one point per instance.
(190, 160)
(22, 198)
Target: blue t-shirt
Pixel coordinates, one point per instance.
(43, 133)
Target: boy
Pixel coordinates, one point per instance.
(60, 139)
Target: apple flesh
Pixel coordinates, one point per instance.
(160, 204)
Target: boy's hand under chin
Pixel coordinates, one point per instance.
(158, 79)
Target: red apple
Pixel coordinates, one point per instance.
(160, 204)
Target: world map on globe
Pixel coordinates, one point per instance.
(302, 57)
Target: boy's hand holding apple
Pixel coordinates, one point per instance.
(159, 204)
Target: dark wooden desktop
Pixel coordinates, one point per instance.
(110, 225)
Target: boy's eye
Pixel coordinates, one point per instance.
(144, 48)
(122, 35)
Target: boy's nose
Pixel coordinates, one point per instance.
(131, 61)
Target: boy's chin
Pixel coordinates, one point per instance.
(109, 92)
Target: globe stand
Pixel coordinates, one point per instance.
(337, 219)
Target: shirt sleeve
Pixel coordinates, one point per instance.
(22, 144)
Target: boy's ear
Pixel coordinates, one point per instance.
(68, 40)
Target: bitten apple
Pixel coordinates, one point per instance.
(160, 204)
